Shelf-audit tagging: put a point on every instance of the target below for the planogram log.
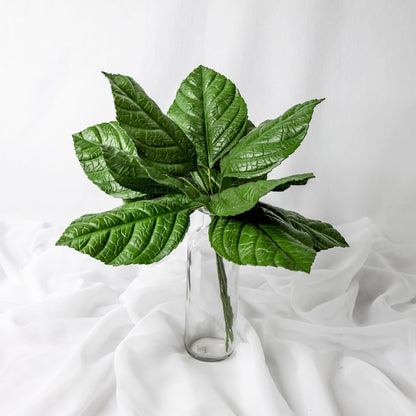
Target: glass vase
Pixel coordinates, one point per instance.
(211, 298)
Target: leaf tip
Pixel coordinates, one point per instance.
(111, 77)
(344, 243)
(61, 241)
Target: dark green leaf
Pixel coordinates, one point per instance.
(199, 182)
(211, 179)
(266, 146)
(87, 145)
(249, 126)
(239, 199)
(159, 141)
(128, 172)
(261, 239)
(323, 235)
(146, 197)
(182, 184)
(210, 110)
(231, 182)
(140, 232)
(289, 181)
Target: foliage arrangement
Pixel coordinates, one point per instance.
(203, 153)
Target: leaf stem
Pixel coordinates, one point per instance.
(226, 303)
(210, 182)
(206, 189)
(189, 183)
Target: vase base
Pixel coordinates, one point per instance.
(209, 349)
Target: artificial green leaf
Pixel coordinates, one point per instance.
(146, 197)
(249, 126)
(128, 172)
(260, 238)
(229, 182)
(182, 183)
(324, 235)
(210, 110)
(159, 141)
(88, 149)
(300, 179)
(239, 199)
(209, 178)
(140, 232)
(199, 182)
(266, 146)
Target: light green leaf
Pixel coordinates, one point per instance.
(239, 199)
(87, 145)
(210, 110)
(260, 238)
(159, 141)
(140, 232)
(266, 146)
(324, 235)
(128, 172)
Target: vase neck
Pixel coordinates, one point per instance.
(204, 217)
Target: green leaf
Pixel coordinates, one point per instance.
(231, 182)
(131, 172)
(159, 141)
(128, 172)
(182, 184)
(300, 179)
(266, 146)
(249, 126)
(323, 235)
(260, 238)
(88, 149)
(140, 232)
(239, 199)
(210, 110)
(210, 178)
(146, 197)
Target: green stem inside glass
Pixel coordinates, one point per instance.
(226, 302)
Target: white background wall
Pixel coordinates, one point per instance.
(360, 55)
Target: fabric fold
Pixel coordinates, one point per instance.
(82, 338)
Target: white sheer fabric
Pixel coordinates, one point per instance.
(79, 338)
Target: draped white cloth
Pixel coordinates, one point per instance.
(79, 338)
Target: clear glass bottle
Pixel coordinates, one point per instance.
(211, 298)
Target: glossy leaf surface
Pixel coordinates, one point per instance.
(140, 232)
(261, 238)
(323, 235)
(88, 149)
(239, 199)
(231, 182)
(266, 146)
(210, 110)
(159, 141)
(128, 172)
(182, 184)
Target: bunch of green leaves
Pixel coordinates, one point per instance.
(203, 153)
